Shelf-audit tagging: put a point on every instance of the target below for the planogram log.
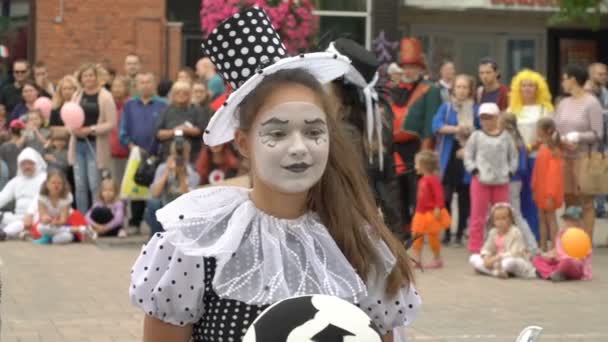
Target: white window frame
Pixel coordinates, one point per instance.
(367, 14)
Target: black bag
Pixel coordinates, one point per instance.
(144, 176)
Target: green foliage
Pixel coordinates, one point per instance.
(587, 12)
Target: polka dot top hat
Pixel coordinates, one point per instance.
(245, 48)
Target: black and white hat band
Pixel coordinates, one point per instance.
(243, 44)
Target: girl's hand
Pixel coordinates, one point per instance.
(99, 228)
(437, 213)
(488, 262)
(46, 219)
(28, 220)
(95, 227)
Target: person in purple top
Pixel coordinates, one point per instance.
(107, 214)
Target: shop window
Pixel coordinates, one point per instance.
(344, 18)
(14, 34)
(521, 54)
(341, 5)
(344, 27)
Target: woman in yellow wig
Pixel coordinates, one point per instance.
(530, 100)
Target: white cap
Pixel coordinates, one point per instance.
(489, 108)
(393, 68)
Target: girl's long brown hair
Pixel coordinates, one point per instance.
(342, 198)
(548, 126)
(509, 121)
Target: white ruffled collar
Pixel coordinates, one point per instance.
(260, 259)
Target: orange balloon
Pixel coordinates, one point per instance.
(576, 243)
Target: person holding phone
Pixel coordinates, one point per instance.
(173, 178)
(182, 116)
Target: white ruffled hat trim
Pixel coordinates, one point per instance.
(324, 66)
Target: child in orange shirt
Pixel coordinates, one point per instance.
(548, 180)
(431, 215)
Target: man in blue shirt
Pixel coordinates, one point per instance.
(138, 128)
(138, 121)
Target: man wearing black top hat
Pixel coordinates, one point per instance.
(367, 118)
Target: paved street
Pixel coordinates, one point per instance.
(79, 293)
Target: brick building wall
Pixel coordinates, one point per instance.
(95, 31)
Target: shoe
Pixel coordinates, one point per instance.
(446, 240)
(436, 263)
(133, 230)
(2, 235)
(458, 242)
(601, 214)
(45, 240)
(89, 235)
(557, 277)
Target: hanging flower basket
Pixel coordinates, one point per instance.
(293, 19)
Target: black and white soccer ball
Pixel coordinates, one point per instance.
(315, 318)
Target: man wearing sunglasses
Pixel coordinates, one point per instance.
(10, 94)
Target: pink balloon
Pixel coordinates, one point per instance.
(72, 115)
(45, 105)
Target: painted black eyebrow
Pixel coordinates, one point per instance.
(275, 121)
(315, 121)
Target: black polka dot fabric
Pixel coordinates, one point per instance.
(224, 319)
(242, 44)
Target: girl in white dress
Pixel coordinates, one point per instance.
(309, 225)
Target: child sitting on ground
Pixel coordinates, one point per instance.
(23, 189)
(556, 265)
(504, 252)
(54, 210)
(107, 214)
(431, 215)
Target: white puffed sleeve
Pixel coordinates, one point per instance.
(389, 312)
(166, 284)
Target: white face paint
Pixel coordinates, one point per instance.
(291, 146)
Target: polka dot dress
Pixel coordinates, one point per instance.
(224, 319)
(177, 289)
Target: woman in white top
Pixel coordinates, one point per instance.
(530, 100)
(309, 225)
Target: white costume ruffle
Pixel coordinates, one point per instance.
(260, 260)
